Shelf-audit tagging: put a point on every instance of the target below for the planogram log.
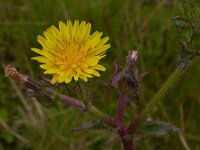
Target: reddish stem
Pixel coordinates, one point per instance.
(71, 101)
(126, 138)
(121, 109)
(128, 144)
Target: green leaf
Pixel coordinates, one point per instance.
(156, 128)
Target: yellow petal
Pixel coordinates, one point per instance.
(47, 66)
(54, 79)
(83, 77)
(51, 71)
(68, 79)
(99, 67)
(76, 76)
(95, 73)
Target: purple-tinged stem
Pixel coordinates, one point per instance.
(71, 101)
(126, 138)
(121, 109)
(77, 103)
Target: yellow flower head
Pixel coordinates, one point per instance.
(71, 52)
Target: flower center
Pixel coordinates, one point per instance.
(72, 58)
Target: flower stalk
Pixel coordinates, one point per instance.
(94, 110)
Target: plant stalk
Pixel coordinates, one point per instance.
(121, 109)
(126, 138)
(77, 103)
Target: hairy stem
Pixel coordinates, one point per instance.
(174, 76)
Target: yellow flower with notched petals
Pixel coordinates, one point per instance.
(71, 52)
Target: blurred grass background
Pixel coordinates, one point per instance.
(143, 25)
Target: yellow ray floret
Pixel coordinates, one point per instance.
(70, 52)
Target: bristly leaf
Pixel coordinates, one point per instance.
(95, 124)
(155, 128)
